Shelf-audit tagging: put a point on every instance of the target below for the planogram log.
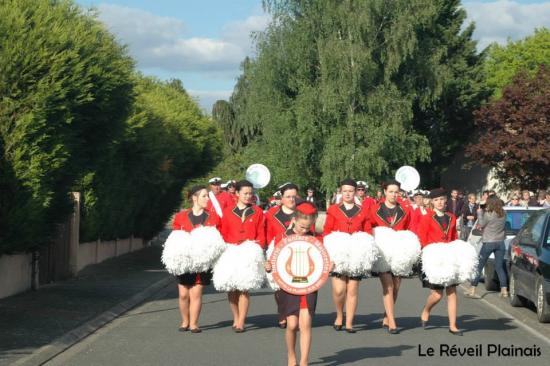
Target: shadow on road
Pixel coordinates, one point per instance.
(361, 353)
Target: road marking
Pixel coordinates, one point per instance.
(522, 325)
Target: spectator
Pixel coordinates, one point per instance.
(310, 196)
(546, 202)
(379, 195)
(526, 199)
(454, 205)
(514, 201)
(469, 216)
(337, 197)
(541, 197)
(492, 221)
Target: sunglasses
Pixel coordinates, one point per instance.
(360, 189)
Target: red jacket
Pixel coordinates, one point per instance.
(368, 201)
(402, 220)
(183, 222)
(337, 220)
(225, 200)
(416, 216)
(235, 230)
(430, 231)
(273, 224)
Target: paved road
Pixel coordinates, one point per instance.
(148, 334)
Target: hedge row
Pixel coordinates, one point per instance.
(76, 116)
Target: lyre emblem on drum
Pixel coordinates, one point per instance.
(299, 265)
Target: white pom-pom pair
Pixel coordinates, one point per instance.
(240, 268)
(192, 252)
(449, 263)
(353, 254)
(399, 250)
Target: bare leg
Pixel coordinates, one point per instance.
(339, 296)
(396, 286)
(387, 293)
(183, 301)
(244, 300)
(351, 302)
(305, 336)
(282, 317)
(290, 337)
(432, 300)
(452, 303)
(233, 297)
(195, 305)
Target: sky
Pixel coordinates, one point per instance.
(203, 42)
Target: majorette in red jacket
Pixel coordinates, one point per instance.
(416, 216)
(401, 220)
(337, 220)
(236, 229)
(225, 200)
(431, 231)
(275, 223)
(183, 222)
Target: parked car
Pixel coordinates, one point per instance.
(515, 219)
(530, 265)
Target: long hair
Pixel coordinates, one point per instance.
(494, 204)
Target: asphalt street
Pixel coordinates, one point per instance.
(148, 334)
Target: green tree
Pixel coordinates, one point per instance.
(504, 62)
(65, 91)
(338, 88)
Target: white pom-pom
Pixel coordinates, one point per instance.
(207, 246)
(363, 254)
(272, 284)
(449, 263)
(439, 264)
(384, 239)
(353, 255)
(176, 255)
(405, 254)
(466, 259)
(240, 267)
(337, 246)
(399, 250)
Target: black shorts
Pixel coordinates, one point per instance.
(192, 279)
(291, 304)
(431, 286)
(339, 275)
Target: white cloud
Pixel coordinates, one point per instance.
(207, 98)
(501, 20)
(240, 32)
(160, 42)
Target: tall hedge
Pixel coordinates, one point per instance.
(167, 141)
(65, 91)
(75, 116)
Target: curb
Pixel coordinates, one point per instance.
(61, 344)
(519, 323)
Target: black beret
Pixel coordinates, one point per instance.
(195, 189)
(437, 192)
(348, 182)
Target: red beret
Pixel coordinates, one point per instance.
(306, 208)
